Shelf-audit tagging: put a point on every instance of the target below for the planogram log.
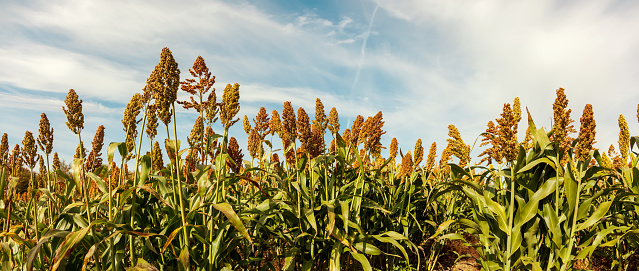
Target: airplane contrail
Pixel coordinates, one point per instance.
(362, 54)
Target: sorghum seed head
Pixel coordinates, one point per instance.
(393, 147)
(276, 123)
(303, 128)
(75, 118)
(419, 152)
(45, 137)
(407, 165)
(586, 134)
(151, 121)
(56, 161)
(29, 150)
(246, 125)
(4, 150)
(430, 161)
(262, 123)
(333, 121)
(289, 127)
(230, 105)
(320, 116)
(457, 147)
(624, 138)
(156, 154)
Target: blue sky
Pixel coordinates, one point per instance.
(425, 64)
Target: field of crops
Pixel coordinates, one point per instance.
(330, 199)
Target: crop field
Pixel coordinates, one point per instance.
(332, 198)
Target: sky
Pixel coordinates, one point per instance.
(425, 64)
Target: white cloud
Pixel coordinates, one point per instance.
(529, 49)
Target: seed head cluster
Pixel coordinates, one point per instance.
(624, 139)
(45, 137)
(432, 153)
(503, 136)
(164, 82)
(230, 105)
(586, 134)
(457, 147)
(75, 118)
(276, 124)
(333, 121)
(29, 150)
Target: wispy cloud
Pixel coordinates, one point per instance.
(362, 55)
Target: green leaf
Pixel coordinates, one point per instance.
(601, 211)
(529, 210)
(69, 243)
(227, 210)
(145, 169)
(120, 146)
(362, 260)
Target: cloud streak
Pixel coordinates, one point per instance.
(362, 55)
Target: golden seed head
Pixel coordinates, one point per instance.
(370, 133)
(45, 139)
(419, 152)
(320, 116)
(562, 126)
(316, 143)
(503, 136)
(16, 160)
(151, 121)
(586, 134)
(246, 124)
(616, 158)
(262, 123)
(605, 160)
(527, 143)
(432, 153)
(333, 121)
(276, 124)
(56, 161)
(211, 107)
(443, 160)
(236, 155)
(407, 165)
(393, 148)
(516, 113)
(29, 150)
(346, 136)
(275, 158)
(41, 167)
(95, 159)
(196, 136)
(457, 147)
(75, 118)
(355, 129)
(4, 150)
(624, 139)
(201, 87)
(156, 155)
(80, 151)
(164, 82)
(254, 144)
(289, 128)
(230, 105)
(303, 128)
(130, 121)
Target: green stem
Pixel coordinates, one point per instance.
(177, 170)
(511, 209)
